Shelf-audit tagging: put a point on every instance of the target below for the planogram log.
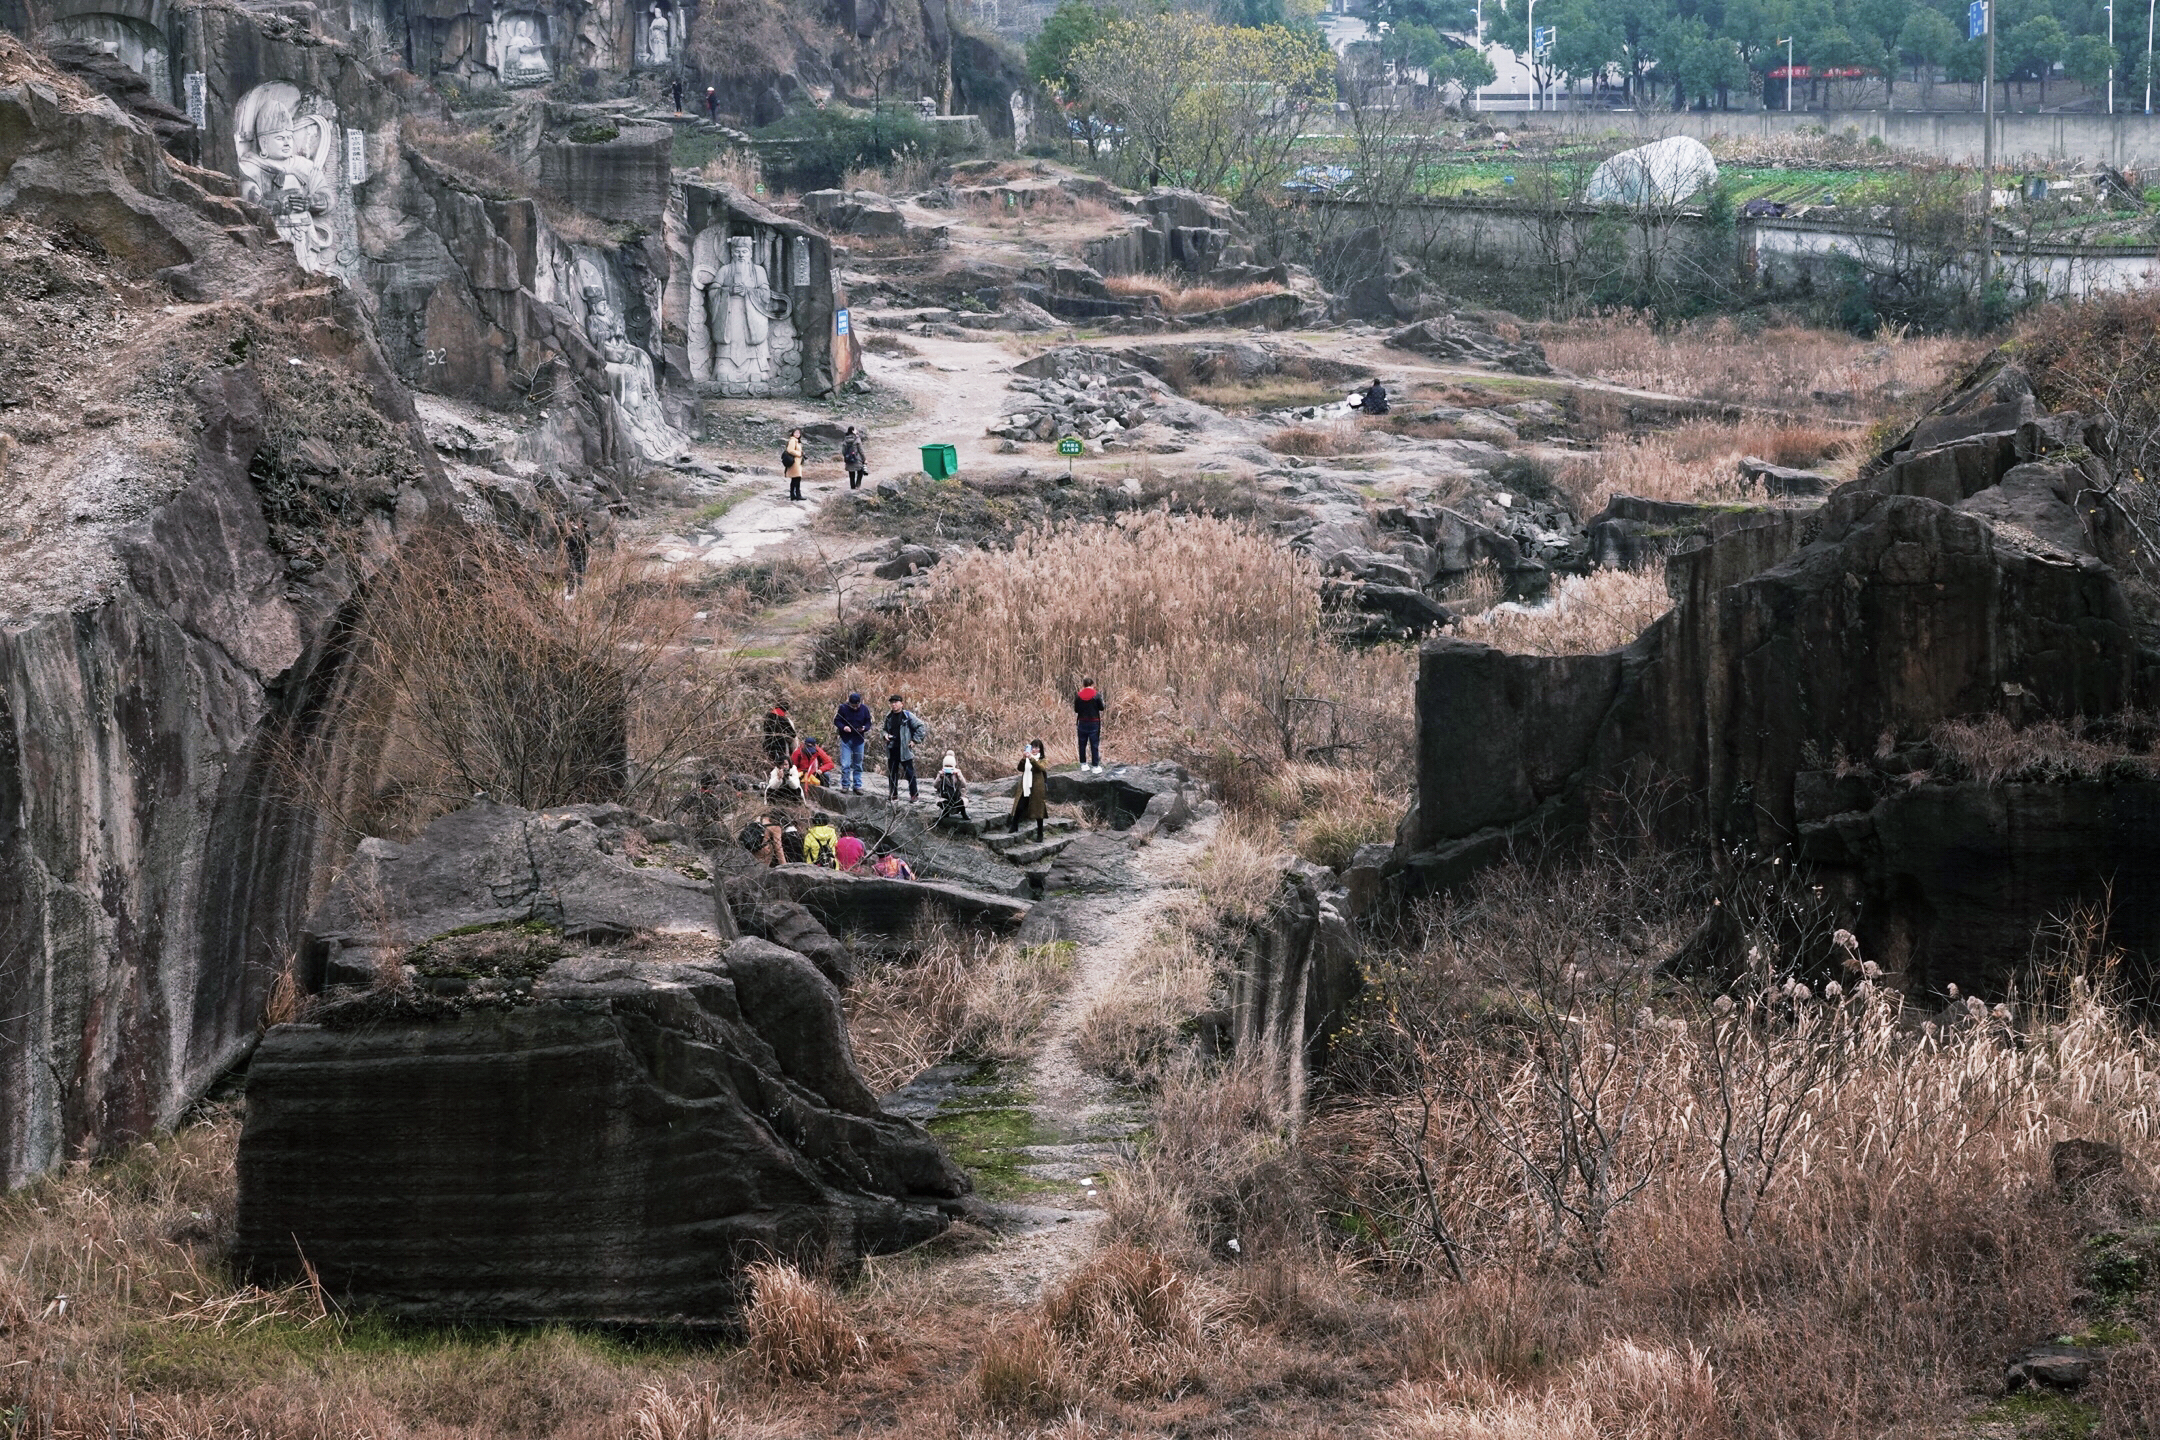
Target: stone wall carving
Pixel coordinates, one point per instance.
(656, 36)
(287, 145)
(518, 47)
(742, 334)
(630, 378)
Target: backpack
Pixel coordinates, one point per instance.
(919, 728)
(818, 846)
(785, 459)
(791, 844)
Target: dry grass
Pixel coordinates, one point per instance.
(962, 994)
(1139, 1030)
(1309, 440)
(1698, 461)
(1180, 299)
(797, 1327)
(1807, 372)
(1586, 614)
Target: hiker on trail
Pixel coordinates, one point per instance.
(851, 725)
(791, 453)
(779, 733)
(811, 759)
(904, 730)
(821, 845)
(851, 455)
(849, 849)
(892, 867)
(1373, 401)
(951, 792)
(1031, 792)
(712, 105)
(678, 95)
(1088, 710)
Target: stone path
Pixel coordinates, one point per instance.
(1082, 1124)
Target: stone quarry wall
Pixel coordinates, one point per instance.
(1968, 574)
(153, 870)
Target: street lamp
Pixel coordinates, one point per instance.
(1787, 43)
(2110, 8)
(1537, 91)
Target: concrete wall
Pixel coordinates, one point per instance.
(1553, 255)
(2124, 141)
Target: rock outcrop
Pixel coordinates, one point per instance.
(1794, 692)
(590, 872)
(612, 1145)
(192, 498)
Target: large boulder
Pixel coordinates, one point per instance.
(612, 1145)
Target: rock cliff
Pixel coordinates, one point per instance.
(193, 491)
(1794, 697)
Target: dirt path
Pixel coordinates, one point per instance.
(1083, 1125)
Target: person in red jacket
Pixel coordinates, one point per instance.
(1087, 715)
(811, 758)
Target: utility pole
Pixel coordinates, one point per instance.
(2148, 55)
(1787, 43)
(1477, 95)
(1537, 91)
(1984, 12)
(2110, 7)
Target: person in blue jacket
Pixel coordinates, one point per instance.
(851, 726)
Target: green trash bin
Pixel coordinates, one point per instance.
(940, 462)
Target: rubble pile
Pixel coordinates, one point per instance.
(1081, 392)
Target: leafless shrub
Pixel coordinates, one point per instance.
(501, 683)
(1994, 751)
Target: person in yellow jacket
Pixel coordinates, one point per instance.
(792, 453)
(821, 844)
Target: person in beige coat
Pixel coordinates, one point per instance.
(1031, 791)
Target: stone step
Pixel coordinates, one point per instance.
(991, 817)
(1033, 852)
(999, 838)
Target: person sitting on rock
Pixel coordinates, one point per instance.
(1031, 791)
(773, 849)
(952, 784)
(784, 786)
(1373, 401)
(892, 867)
(814, 763)
(849, 849)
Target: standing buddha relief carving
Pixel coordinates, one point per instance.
(287, 146)
(659, 37)
(742, 334)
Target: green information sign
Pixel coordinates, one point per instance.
(1071, 445)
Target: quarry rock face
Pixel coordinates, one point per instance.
(613, 1145)
(1965, 575)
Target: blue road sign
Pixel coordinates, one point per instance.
(1976, 19)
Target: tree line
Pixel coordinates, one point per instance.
(1707, 52)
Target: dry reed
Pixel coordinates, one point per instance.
(1826, 373)
(797, 1327)
(1204, 633)
(1696, 461)
(1177, 299)
(1585, 615)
